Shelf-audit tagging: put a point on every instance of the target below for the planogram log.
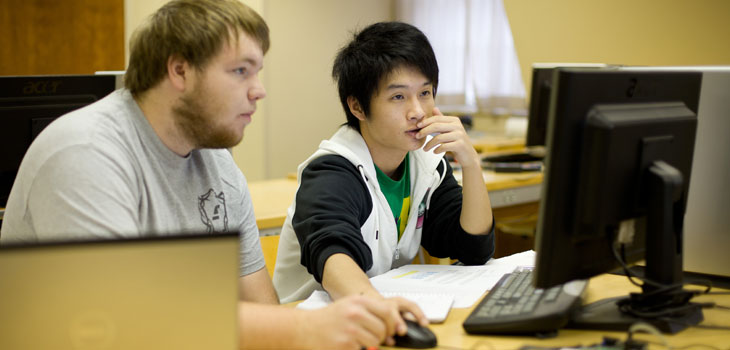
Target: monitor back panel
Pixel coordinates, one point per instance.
(706, 222)
(172, 293)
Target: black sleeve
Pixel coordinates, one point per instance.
(443, 236)
(332, 204)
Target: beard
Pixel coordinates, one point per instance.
(195, 118)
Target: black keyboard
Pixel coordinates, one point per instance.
(512, 158)
(513, 306)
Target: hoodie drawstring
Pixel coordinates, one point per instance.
(377, 217)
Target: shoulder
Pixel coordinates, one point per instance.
(332, 162)
(99, 124)
(333, 174)
(331, 168)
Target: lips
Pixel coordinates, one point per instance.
(247, 114)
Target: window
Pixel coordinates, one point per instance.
(479, 70)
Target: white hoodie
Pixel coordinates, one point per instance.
(293, 281)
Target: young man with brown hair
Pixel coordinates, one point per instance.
(152, 159)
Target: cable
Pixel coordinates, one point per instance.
(661, 302)
(645, 327)
(625, 267)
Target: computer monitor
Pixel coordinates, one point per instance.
(29, 103)
(706, 224)
(537, 116)
(619, 159)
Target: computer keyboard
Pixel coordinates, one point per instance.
(513, 306)
(512, 158)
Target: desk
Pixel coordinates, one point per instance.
(451, 335)
(271, 199)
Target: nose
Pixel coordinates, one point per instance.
(257, 91)
(415, 111)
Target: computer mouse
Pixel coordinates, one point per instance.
(417, 337)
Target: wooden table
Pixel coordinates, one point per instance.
(271, 199)
(451, 335)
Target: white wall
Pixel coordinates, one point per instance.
(302, 107)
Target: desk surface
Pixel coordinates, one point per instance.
(272, 198)
(451, 335)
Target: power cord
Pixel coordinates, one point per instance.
(673, 299)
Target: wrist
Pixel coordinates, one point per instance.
(306, 328)
(472, 163)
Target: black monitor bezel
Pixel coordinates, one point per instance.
(29, 103)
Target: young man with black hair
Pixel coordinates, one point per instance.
(380, 188)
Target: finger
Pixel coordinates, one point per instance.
(430, 145)
(401, 327)
(441, 124)
(366, 339)
(390, 341)
(405, 305)
(374, 326)
(445, 139)
(437, 111)
(366, 326)
(383, 310)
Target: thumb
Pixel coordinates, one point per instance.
(437, 111)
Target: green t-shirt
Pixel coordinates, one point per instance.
(398, 193)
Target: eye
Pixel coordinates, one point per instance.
(398, 97)
(241, 71)
(426, 93)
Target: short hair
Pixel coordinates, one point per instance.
(194, 30)
(375, 53)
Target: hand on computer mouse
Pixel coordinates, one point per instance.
(401, 311)
(417, 337)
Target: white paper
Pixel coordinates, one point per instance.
(435, 306)
(465, 283)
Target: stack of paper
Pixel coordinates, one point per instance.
(436, 288)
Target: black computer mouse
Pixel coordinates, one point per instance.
(417, 337)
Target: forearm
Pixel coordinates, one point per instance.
(272, 327)
(342, 276)
(257, 287)
(476, 210)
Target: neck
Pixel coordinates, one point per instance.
(156, 105)
(388, 163)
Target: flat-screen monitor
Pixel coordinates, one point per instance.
(618, 165)
(542, 82)
(706, 224)
(29, 103)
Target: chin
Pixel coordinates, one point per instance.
(418, 145)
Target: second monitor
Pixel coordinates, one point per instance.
(620, 148)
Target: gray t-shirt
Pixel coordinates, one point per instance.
(102, 172)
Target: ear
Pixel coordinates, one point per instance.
(355, 107)
(178, 71)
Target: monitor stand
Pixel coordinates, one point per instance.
(664, 221)
(606, 315)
